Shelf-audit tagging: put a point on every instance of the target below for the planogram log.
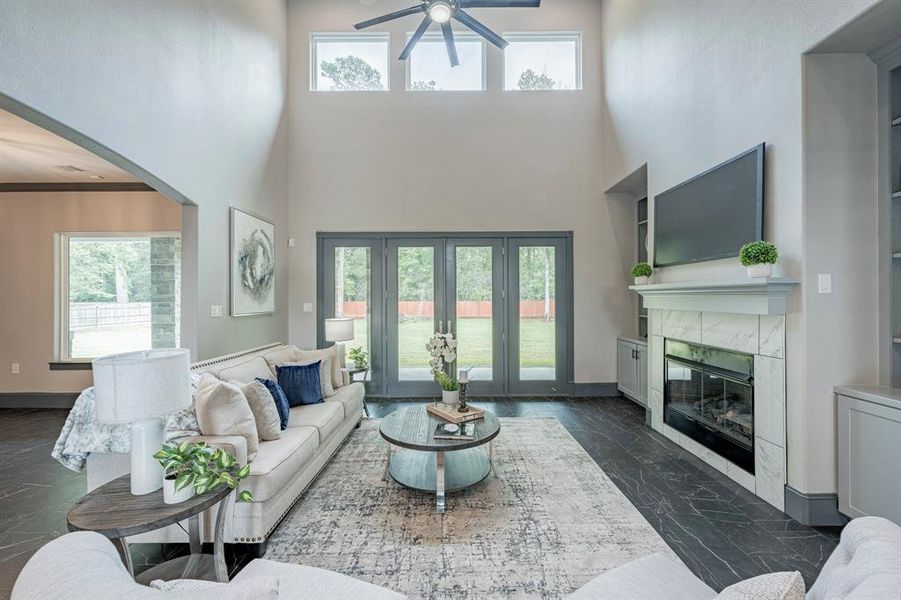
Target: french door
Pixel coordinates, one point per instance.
(506, 299)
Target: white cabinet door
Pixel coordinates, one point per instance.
(642, 376)
(626, 373)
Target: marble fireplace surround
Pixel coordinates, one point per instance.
(763, 336)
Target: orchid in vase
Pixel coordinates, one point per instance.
(442, 349)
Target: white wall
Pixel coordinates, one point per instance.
(465, 161)
(689, 84)
(192, 92)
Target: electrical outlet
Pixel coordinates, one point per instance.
(824, 283)
(216, 311)
(290, 242)
(15, 368)
(307, 307)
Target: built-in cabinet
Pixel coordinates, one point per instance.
(894, 181)
(632, 369)
(641, 255)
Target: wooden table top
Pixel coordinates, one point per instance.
(113, 511)
(413, 428)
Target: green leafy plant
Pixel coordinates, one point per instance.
(758, 253)
(447, 383)
(205, 468)
(360, 357)
(642, 269)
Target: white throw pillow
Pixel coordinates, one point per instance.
(325, 370)
(785, 585)
(337, 380)
(255, 588)
(282, 356)
(222, 409)
(265, 414)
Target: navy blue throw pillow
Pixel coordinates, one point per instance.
(281, 401)
(301, 383)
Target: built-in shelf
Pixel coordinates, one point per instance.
(897, 121)
(753, 296)
(645, 222)
(642, 316)
(896, 195)
(896, 255)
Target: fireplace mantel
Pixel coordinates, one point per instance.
(752, 296)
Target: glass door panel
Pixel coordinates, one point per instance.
(353, 268)
(415, 312)
(475, 288)
(538, 330)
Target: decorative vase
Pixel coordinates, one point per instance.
(450, 399)
(761, 270)
(170, 496)
(641, 281)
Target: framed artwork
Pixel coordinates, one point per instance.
(252, 265)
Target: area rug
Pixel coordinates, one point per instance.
(547, 522)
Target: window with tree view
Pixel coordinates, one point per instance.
(543, 61)
(429, 69)
(119, 293)
(350, 62)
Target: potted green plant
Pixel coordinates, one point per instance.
(759, 258)
(360, 357)
(442, 350)
(641, 272)
(196, 468)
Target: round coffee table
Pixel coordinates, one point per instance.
(437, 466)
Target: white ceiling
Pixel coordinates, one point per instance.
(30, 154)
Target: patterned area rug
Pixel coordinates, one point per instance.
(549, 521)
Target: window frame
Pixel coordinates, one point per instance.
(459, 35)
(543, 36)
(348, 36)
(61, 281)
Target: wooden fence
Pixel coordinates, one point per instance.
(107, 314)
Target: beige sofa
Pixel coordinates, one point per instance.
(282, 468)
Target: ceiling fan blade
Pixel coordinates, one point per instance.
(449, 42)
(391, 16)
(500, 3)
(415, 39)
(481, 29)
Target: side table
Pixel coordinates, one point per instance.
(366, 375)
(113, 511)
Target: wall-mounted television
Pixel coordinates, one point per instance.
(713, 214)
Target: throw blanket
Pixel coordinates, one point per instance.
(83, 434)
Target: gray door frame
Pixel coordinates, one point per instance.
(378, 243)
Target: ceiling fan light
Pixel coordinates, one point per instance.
(440, 12)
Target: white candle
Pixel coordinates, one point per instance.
(463, 376)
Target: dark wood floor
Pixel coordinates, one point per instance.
(719, 529)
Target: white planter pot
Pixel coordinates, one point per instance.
(450, 398)
(170, 496)
(763, 270)
(641, 281)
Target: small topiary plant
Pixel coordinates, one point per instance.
(758, 253)
(642, 269)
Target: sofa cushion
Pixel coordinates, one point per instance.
(222, 409)
(654, 576)
(246, 371)
(264, 410)
(785, 585)
(299, 582)
(331, 353)
(280, 356)
(351, 398)
(280, 400)
(278, 461)
(326, 417)
(301, 383)
(325, 377)
(866, 564)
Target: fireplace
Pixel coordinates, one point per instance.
(708, 395)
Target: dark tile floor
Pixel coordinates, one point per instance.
(719, 529)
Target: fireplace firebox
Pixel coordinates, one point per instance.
(709, 396)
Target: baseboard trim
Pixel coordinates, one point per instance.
(38, 399)
(813, 509)
(594, 390)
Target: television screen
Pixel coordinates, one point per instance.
(712, 215)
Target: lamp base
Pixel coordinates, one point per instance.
(146, 472)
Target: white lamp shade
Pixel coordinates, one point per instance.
(339, 330)
(138, 386)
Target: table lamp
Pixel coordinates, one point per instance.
(339, 329)
(140, 388)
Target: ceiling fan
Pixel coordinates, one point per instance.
(441, 12)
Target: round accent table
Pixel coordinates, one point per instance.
(113, 511)
(437, 466)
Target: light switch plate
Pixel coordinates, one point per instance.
(824, 283)
(307, 307)
(216, 311)
(15, 368)
(291, 242)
